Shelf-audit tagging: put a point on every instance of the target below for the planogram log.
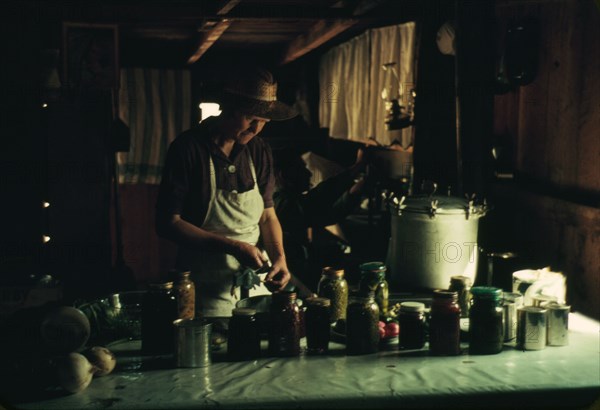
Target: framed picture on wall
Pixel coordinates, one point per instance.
(90, 55)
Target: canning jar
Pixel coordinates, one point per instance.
(444, 324)
(462, 286)
(185, 292)
(318, 327)
(362, 330)
(411, 319)
(373, 279)
(284, 333)
(486, 330)
(159, 311)
(243, 340)
(334, 287)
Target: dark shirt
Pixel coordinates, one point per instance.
(185, 184)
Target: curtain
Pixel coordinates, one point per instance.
(351, 79)
(156, 105)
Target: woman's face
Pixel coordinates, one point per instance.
(243, 127)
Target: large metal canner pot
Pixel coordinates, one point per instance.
(432, 239)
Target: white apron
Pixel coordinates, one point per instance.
(235, 216)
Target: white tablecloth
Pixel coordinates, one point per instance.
(554, 377)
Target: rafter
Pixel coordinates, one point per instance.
(213, 29)
(324, 30)
(318, 34)
(208, 38)
(227, 6)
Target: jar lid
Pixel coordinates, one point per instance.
(161, 286)
(318, 301)
(412, 307)
(243, 312)
(460, 280)
(333, 272)
(513, 297)
(375, 267)
(533, 310)
(540, 300)
(486, 292)
(444, 294)
(284, 296)
(556, 306)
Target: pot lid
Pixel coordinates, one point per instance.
(441, 205)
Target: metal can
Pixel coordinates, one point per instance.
(193, 343)
(558, 324)
(511, 302)
(542, 300)
(531, 328)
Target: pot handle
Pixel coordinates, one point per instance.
(394, 202)
(429, 187)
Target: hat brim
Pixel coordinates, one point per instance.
(273, 110)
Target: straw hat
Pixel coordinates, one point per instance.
(255, 92)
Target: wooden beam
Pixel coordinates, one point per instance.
(212, 29)
(318, 34)
(208, 38)
(324, 31)
(227, 6)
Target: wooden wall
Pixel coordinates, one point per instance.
(554, 124)
(149, 256)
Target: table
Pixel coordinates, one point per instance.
(556, 377)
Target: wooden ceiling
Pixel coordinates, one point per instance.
(183, 31)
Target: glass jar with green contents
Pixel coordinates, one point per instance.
(373, 279)
(334, 287)
(362, 330)
(486, 330)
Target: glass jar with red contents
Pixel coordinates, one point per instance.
(159, 311)
(444, 324)
(411, 319)
(284, 333)
(243, 342)
(317, 325)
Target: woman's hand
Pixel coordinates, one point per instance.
(249, 255)
(279, 275)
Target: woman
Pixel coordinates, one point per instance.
(215, 198)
